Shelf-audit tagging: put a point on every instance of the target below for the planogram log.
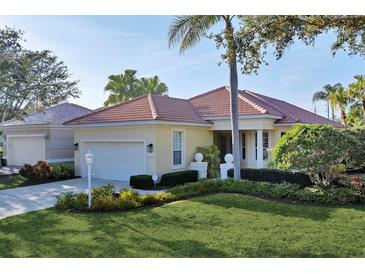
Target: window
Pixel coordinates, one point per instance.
(243, 144)
(177, 155)
(265, 144)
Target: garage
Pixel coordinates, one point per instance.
(25, 149)
(116, 160)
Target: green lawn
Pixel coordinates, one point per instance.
(11, 181)
(219, 225)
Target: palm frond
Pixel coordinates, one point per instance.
(189, 29)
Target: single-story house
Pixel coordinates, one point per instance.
(155, 134)
(41, 136)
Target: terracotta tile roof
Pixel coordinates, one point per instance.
(292, 113)
(214, 103)
(217, 103)
(144, 108)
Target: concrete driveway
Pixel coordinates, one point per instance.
(31, 198)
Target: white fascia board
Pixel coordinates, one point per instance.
(259, 116)
(139, 123)
(32, 127)
(285, 124)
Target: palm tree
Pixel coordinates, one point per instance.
(122, 87)
(357, 92)
(339, 100)
(152, 85)
(322, 96)
(188, 30)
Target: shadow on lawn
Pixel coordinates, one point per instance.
(313, 212)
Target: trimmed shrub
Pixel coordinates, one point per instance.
(38, 173)
(62, 171)
(273, 176)
(141, 181)
(42, 172)
(294, 192)
(211, 155)
(179, 177)
(319, 150)
(105, 199)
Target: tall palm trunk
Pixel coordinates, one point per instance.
(328, 110)
(233, 78)
(333, 113)
(343, 116)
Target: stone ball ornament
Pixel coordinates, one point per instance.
(199, 157)
(228, 158)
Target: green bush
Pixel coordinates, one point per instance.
(72, 201)
(106, 199)
(61, 171)
(179, 177)
(141, 182)
(42, 172)
(211, 155)
(356, 159)
(294, 192)
(38, 173)
(318, 150)
(273, 176)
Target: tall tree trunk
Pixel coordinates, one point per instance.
(333, 113)
(233, 78)
(328, 110)
(343, 116)
(363, 112)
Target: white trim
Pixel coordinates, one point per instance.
(183, 146)
(33, 127)
(60, 160)
(286, 124)
(258, 116)
(109, 140)
(44, 135)
(139, 123)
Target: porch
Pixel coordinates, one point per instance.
(254, 146)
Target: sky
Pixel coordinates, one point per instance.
(94, 47)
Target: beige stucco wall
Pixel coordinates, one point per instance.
(158, 162)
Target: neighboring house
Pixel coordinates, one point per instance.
(157, 134)
(41, 136)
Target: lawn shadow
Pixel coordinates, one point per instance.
(240, 201)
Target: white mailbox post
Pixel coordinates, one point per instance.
(89, 159)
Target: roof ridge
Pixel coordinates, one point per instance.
(107, 108)
(207, 92)
(256, 106)
(153, 107)
(258, 96)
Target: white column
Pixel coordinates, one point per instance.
(260, 154)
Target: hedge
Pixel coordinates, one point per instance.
(141, 181)
(179, 177)
(274, 176)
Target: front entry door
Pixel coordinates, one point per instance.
(225, 145)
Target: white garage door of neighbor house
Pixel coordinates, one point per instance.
(25, 150)
(116, 160)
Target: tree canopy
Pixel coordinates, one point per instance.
(30, 80)
(125, 86)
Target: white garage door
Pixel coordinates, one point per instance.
(25, 150)
(115, 160)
